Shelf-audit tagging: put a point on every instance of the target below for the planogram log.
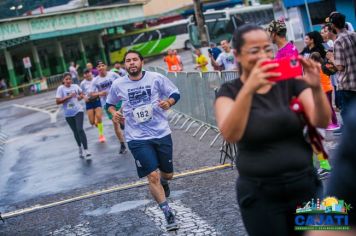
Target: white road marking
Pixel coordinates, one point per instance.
(157, 42)
(107, 190)
(188, 221)
(81, 229)
(52, 115)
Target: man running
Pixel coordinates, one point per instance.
(93, 105)
(146, 96)
(100, 87)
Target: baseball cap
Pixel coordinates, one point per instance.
(85, 71)
(100, 62)
(332, 16)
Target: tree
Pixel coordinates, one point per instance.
(200, 23)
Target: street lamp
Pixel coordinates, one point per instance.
(16, 8)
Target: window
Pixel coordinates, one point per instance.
(174, 30)
(320, 10)
(139, 38)
(126, 41)
(213, 16)
(220, 30)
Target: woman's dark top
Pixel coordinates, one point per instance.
(320, 49)
(273, 144)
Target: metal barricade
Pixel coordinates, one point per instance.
(211, 82)
(151, 68)
(161, 71)
(54, 81)
(228, 76)
(172, 76)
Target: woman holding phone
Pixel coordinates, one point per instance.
(276, 172)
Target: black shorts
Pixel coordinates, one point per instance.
(92, 105)
(152, 154)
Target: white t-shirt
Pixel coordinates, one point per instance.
(73, 72)
(103, 84)
(144, 119)
(85, 85)
(228, 60)
(72, 106)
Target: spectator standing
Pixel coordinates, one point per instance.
(314, 43)
(172, 61)
(277, 30)
(329, 37)
(175, 52)
(214, 52)
(345, 60)
(73, 70)
(3, 86)
(226, 59)
(275, 167)
(201, 61)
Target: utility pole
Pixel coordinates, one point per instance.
(200, 23)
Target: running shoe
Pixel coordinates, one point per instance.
(87, 155)
(333, 127)
(166, 188)
(323, 173)
(171, 222)
(122, 149)
(81, 152)
(102, 139)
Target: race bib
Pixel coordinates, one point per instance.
(70, 105)
(143, 113)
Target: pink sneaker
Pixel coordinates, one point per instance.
(333, 127)
(102, 139)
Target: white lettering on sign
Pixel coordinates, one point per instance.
(69, 21)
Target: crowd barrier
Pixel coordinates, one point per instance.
(198, 92)
(36, 86)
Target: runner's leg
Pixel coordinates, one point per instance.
(120, 136)
(79, 125)
(98, 117)
(72, 124)
(91, 117)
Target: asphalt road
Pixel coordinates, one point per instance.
(46, 189)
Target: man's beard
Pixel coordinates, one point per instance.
(135, 73)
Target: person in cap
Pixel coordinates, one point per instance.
(344, 59)
(92, 104)
(100, 87)
(118, 70)
(277, 30)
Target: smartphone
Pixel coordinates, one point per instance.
(289, 67)
(210, 51)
